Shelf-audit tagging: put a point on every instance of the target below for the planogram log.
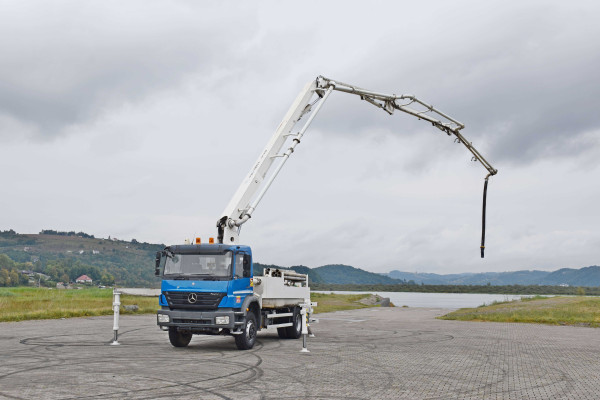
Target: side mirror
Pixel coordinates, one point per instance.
(157, 263)
(246, 263)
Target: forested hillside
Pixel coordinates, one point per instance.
(64, 256)
(345, 274)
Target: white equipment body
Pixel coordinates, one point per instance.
(281, 288)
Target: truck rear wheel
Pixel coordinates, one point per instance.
(246, 339)
(282, 332)
(179, 339)
(295, 331)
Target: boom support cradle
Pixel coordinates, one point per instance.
(309, 102)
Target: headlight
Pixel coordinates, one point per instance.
(222, 320)
(163, 318)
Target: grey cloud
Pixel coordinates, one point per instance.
(523, 79)
(112, 82)
(72, 62)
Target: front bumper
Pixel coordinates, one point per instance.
(200, 319)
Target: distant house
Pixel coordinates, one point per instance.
(83, 279)
(81, 251)
(95, 251)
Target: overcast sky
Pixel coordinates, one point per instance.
(140, 119)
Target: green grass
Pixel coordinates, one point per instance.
(338, 302)
(536, 297)
(23, 303)
(581, 311)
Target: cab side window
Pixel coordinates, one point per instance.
(239, 265)
(246, 264)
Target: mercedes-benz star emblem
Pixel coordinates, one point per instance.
(192, 298)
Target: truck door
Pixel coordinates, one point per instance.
(241, 273)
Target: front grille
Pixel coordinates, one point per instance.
(193, 321)
(204, 301)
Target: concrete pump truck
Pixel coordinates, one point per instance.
(211, 289)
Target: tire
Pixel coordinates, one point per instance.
(179, 339)
(246, 340)
(295, 331)
(282, 332)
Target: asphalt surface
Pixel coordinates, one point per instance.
(392, 353)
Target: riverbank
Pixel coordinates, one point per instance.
(578, 311)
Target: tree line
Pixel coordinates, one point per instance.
(9, 273)
(59, 270)
(70, 233)
(486, 289)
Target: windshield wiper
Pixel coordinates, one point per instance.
(208, 277)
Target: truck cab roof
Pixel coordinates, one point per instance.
(206, 248)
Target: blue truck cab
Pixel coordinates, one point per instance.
(207, 289)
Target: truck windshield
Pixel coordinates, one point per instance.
(199, 266)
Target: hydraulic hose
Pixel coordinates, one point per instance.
(483, 216)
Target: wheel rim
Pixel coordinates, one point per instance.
(298, 323)
(250, 330)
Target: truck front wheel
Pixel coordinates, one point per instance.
(179, 339)
(246, 339)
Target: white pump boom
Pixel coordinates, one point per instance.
(309, 101)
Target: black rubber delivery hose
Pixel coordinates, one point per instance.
(483, 217)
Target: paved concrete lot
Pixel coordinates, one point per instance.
(364, 354)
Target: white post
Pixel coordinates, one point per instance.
(304, 314)
(116, 306)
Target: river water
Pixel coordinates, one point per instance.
(439, 300)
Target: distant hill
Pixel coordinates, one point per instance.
(345, 274)
(588, 276)
(131, 263)
(428, 279)
(62, 254)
